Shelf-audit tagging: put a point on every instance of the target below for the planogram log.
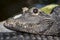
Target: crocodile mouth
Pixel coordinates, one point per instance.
(35, 28)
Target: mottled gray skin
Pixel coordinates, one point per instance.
(37, 24)
(25, 36)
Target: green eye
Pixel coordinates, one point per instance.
(47, 9)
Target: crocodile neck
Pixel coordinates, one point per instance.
(25, 36)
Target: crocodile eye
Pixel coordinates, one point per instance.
(35, 11)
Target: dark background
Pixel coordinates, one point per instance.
(8, 8)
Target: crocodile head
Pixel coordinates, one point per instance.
(32, 20)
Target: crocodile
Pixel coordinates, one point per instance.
(36, 21)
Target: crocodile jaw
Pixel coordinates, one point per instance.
(30, 24)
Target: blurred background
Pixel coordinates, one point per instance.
(8, 8)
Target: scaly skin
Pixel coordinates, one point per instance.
(25, 36)
(36, 22)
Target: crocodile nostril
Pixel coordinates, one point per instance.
(8, 25)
